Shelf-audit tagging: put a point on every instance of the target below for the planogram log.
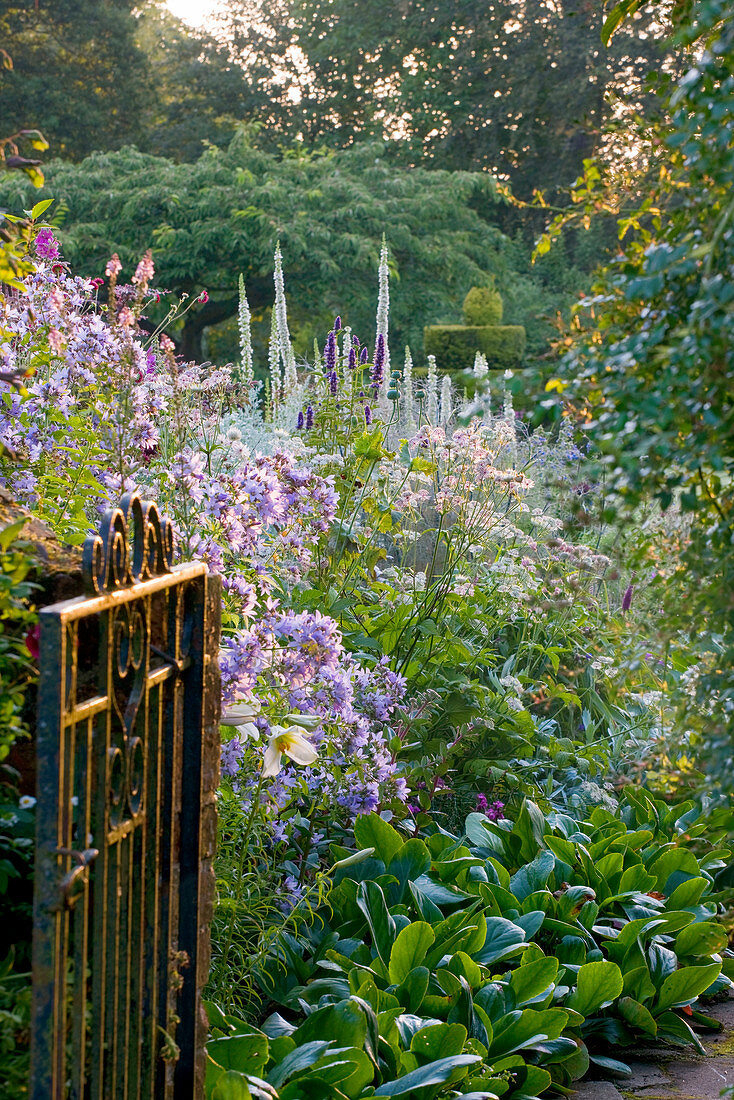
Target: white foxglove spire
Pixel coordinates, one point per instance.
(432, 392)
(285, 347)
(274, 362)
(244, 323)
(446, 407)
(408, 406)
(383, 311)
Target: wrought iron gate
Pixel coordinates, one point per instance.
(128, 757)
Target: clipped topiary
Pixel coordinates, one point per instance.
(483, 306)
(455, 346)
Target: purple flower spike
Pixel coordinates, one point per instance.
(627, 598)
(352, 364)
(330, 353)
(378, 365)
(299, 424)
(363, 355)
(367, 415)
(333, 383)
(482, 804)
(309, 418)
(337, 324)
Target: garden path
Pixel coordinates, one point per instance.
(672, 1075)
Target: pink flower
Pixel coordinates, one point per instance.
(145, 270)
(46, 246)
(114, 267)
(203, 297)
(55, 340)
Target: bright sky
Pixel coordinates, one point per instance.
(196, 12)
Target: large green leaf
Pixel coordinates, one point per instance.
(597, 985)
(533, 876)
(529, 827)
(246, 1053)
(637, 1016)
(503, 939)
(299, 1059)
(533, 979)
(443, 1071)
(687, 893)
(673, 867)
(343, 1023)
(409, 950)
(683, 986)
(410, 861)
(372, 831)
(371, 901)
(438, 1040)
(705, 938)
(231, 1086)
(411, 992)
(517, 1032)
(349, 1069)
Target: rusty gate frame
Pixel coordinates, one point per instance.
(128, 765)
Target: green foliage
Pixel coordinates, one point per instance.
(455, 346)
(483, 306)
(654, 365)
(68, 58)
(224, 214)
(16, 621)
(507, 959)
(15, 1025)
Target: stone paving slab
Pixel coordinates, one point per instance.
(670, 1074)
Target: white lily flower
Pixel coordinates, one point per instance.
(240, 713)
(290, 742)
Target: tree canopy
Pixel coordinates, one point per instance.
(520, 88)
(77, 72)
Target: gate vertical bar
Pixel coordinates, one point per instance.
(198, 811)
(47, 934)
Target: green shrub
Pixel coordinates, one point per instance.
(483, 306)
(455, 346)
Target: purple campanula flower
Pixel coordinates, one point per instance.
(309, 418)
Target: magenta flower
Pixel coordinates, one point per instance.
(46, 246)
